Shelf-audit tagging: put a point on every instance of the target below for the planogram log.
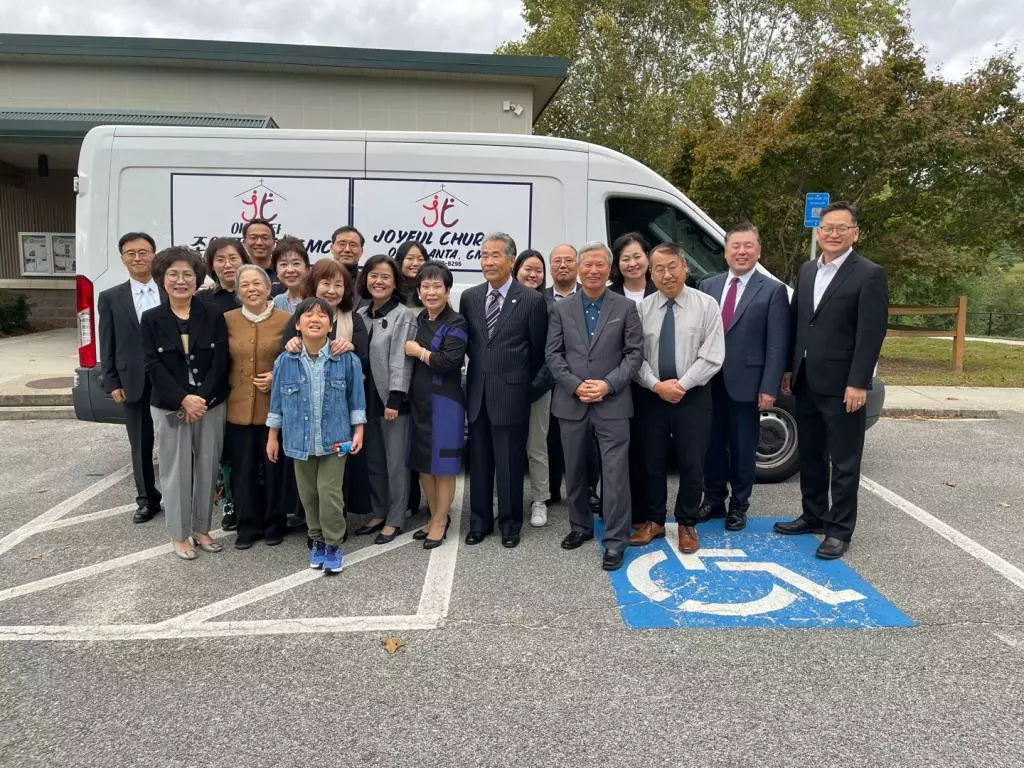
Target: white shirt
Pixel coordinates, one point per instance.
(636, 296)
(145, 295)
(825, 274)
(700, 338)
(744, 279)
(559, 296)
(502, 294)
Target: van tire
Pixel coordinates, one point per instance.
(777, 455)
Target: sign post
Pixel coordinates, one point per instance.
(813, 204)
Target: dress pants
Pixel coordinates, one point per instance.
(189, 455)
(256, 482)
(682, 428)
(556, 460)
(637, 465)
(384, 443)
(612, 436)
(141, 436)
(497, 451)
(829, 438)
(356, 484)
(537, 446)
(731, 461)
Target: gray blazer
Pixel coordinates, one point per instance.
(614, 355)
(391, 367)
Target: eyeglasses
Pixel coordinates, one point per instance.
(346, 246)
(144, 254)
(260, 238)
(180, 277)
(840, 229)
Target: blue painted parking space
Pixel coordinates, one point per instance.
(753, 578)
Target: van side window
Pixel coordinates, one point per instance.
(663, 223)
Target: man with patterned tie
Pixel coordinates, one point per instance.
(507, 328)
(755, 318)
(684, 347)
(124, 372)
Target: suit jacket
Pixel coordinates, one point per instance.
(501, 368)
(167, 364)
(757, 340)
(837, 345)
(615, 354)
(121, 342)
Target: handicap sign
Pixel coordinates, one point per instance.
(750, 578)
(813, 203)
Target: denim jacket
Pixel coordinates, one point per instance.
(294, 404)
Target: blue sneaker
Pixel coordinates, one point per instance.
(316, 555)
(332, 560)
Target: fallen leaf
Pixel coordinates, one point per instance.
(951, 483)
(952, 398)
(1003, 504)
(392, 644)
(36, 558)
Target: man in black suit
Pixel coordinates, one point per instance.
(124, 372)
(839, 312)
(507, 329)
(755, 317)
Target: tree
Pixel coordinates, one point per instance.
(936, 168)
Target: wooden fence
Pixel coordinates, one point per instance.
(958, 333)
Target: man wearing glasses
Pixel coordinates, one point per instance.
(839, 312)
(347, 249)
(124, 372)
(259, 240)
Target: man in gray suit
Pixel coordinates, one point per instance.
(755, 317)
(594, 348)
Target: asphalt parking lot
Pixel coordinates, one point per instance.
(116, 653)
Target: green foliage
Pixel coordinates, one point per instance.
(13, 312)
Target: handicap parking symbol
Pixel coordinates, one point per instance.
(751, 578)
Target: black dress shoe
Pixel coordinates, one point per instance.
(367, 529)
(612, 561)
(575, 539)
(245, 542)
(144, 515)
(798, 526)
(475, 538)
(832, 548)
(736, 520)
(510, 542)
(295, 522)
(383, 538)
(273, 537)
(710, 510)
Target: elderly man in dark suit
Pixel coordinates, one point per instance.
(755, 318)
(595, 346)
(124, 371)
(839, 313)
(507, 326)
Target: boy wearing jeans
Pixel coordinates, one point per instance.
(318, 398)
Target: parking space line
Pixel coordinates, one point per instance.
(1008, 571)
(440, 578)
(66, 507)
(67, 522)
(78, 574)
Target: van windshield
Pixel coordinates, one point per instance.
(663, 223)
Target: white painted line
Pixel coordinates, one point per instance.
(278, 586)
(639, 575)
(52, 632)
(775, 600)
(1010, 572)
(14, 538)
(437, 584)
(67, 522)
(812, 588)
(92, 570)
(1012, 642)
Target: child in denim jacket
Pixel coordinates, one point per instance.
(318, 399)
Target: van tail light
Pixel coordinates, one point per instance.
(86, 323)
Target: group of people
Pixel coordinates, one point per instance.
(310, 391)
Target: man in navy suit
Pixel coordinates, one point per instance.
(508, 325)
(755, 317)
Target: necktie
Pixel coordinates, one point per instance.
(667, 344)
(145, 301)
(729, 307)
(493, 309)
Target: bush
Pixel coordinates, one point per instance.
(13, 312)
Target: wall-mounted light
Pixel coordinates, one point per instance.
(515, 109)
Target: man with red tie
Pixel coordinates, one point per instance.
(755, 318)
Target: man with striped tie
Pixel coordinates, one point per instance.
(507, 329)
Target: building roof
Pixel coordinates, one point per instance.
(544, 73)
(71, 125)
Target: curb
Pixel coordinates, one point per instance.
(26, 400)
(940, 413)
(36, 413)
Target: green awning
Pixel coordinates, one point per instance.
(72, 125)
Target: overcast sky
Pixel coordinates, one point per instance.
(957, 33)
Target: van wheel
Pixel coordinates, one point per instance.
(777, 455)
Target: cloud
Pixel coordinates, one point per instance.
(961, 34)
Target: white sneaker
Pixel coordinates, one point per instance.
(538, 514)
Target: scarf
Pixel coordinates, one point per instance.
(254, 318)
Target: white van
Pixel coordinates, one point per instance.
(186, 185)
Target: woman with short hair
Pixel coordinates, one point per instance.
(223, 258)
(290, 263)
(184, 344)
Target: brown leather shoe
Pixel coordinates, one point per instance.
(688, 543)
(646, 533)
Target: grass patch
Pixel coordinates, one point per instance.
(926, 361)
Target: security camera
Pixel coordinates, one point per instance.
(518, 110)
